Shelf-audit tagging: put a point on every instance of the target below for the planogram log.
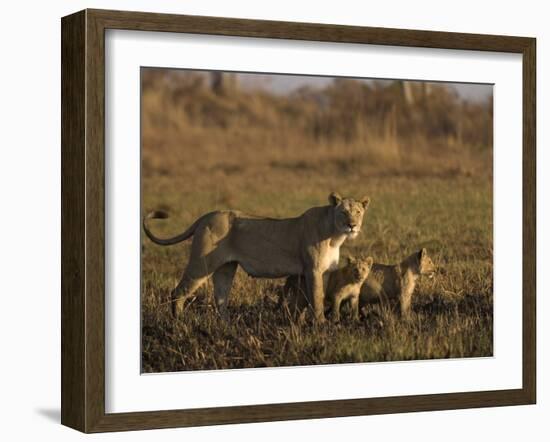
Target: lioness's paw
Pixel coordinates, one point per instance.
(177, 308)
(320, 319)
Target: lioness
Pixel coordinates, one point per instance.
(265, 248)
(393, 285)
(343, 284)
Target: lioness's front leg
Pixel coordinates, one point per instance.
(405, 304)
(316, 292)
(355, 307)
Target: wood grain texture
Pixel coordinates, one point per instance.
(95, 221)
(307, 31)
(308, 410)
(529, 220)
(83, 219)
(73, 128)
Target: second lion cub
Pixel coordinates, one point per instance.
(395, 284)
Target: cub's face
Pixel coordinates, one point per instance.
(348, 214)
(426, 265)
(360, 269)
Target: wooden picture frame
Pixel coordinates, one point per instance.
(83, 220)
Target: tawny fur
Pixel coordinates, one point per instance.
(343, 284)
(393, 285)
(306, 245)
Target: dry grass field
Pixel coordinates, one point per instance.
(426, 163)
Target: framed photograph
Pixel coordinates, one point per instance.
(268, 220)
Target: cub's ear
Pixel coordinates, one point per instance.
(422, 254)
(365, 201)
(370, 261)
(334, 198)
(346, 261)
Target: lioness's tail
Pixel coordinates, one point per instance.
(168, 241)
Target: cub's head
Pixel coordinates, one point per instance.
(359, 269)
(348, 214)
(425, 264)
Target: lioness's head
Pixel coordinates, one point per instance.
(425, 264)
(348, 213)
(359, 269)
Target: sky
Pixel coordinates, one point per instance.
(282, 84)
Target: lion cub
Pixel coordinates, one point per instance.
(345, 283)
(393, 285)
(342, 284)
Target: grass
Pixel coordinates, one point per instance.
(437, 196)
(452, 315)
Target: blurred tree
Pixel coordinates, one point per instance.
(223, 83)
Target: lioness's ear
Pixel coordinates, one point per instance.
(334, 198)
(365, 201)
(370, 261)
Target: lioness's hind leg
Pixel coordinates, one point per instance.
(223, 280)
(183, 291)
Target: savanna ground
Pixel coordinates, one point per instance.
(426, 163)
